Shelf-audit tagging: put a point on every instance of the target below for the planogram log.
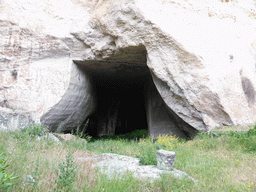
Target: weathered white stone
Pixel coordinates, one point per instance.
(165, 159)
(76, 104)
(14, 119)
(115, 166)
(201, 57)
(195, 58)
(35, 65)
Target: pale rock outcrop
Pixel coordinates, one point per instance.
(115, 166)
(36, 64)
(194, 62)
(195, 58)
(17, 119)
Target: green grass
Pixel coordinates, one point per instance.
(220, 162)
(6, 178)
(66, 174)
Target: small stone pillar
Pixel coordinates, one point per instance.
(165, 159)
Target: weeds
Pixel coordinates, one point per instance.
(228, 159)
(135, 135)
(36, 173)
(245, 140)
(6, 178)
(148, 147)
(147, 154)
(31, 132)
(66, 174)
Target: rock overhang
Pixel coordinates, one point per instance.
(127, 97)
(131, 61)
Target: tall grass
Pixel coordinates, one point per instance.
(6, 178)
(220, 162)
(66, 174)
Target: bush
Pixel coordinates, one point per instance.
(35, 130)
(66, 174)
(137, 134)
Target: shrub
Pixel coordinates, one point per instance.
(147, 154)
(134, 135)
(137, 134)
(66, 173)
(167, 142)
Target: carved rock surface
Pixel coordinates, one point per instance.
(165, 159)
(192, 63)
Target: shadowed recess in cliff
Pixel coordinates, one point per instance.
(120, 85)
(117, 95)
(127, 98)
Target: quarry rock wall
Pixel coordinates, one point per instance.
(200, 56)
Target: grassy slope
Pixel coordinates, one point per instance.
(220, 163)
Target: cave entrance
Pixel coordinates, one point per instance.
(121, 104)
(125, 97)
(120, 85)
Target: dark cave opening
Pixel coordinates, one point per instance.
(121, 104)
(127, 99)
(127, 96)
(120, 85)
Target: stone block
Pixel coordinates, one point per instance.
(165, 159)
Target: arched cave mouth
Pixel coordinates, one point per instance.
(120, 85)
(127, 99)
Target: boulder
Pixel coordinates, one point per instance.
(115, 166)
(170, 66)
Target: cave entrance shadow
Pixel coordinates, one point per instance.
(127, 98)
(121, 105)
(120, 85)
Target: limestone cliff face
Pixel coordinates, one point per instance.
(187, 66)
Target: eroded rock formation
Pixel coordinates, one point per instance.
(169, 66)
